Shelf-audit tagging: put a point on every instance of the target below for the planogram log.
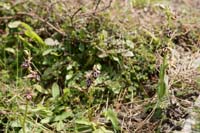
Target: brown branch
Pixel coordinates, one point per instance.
(98, 11)
(33, 16)
(108, 6)
(7, 17)
(97, 5)
(74, 14)
(42, 20)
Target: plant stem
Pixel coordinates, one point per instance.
(17, 74)
(25, 115)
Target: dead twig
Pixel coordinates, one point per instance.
(97, 5)
(74, 14)
(33, 16)
(42, 20)
(7, 17)
(147, 118)
(97, 11)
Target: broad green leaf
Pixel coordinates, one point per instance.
(25, 42)
(112, 116)
(102, 130)
(4, 5)
(14, 24)
(162, 85)
(63, 116)
(129, 44)
(33, 35)
(128, 54)
(115, 86)
(41, 110)
(69, 67)
(40, 89)
(46, 52)
(10, 50)
(60, 126)
(69, 75)
(84, 122)
(15, 123)
(67, 91)
(84, 125)
(115, 59)
(102, 55)
(81, 47)
(55, 54)
(98, 66)
(55, 90)
(83, 129)
(103, 35)
(155, 39)
(46, 120)
(26, 26)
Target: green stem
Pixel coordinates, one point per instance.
(17, 74)
(25, 115)
(17, 69)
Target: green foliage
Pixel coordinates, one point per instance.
(142, 3)
(162, 85)
(55, 90)
(55, 68)
(111, 115)
(28, 31)
(73, 76)
(31, 34)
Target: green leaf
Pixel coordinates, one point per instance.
(102, 130)
(128, 54)
(40, 89)
(69, 75)
(84, 125)
(129, 44)
(46, 120)
(33, 35)
(15, 123)
(115, 59)
(81, 47)
(5, 5)
(103, 35)
(112, 116)
(55, 90)
(69, 67)
(46, 52)
(60, 126)
(25, 42)
(84, 122)
(63, 116)
(115, 86)
(41, 110)
(10, 50)
(98, 66)
(163, 81)
(102, 55)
